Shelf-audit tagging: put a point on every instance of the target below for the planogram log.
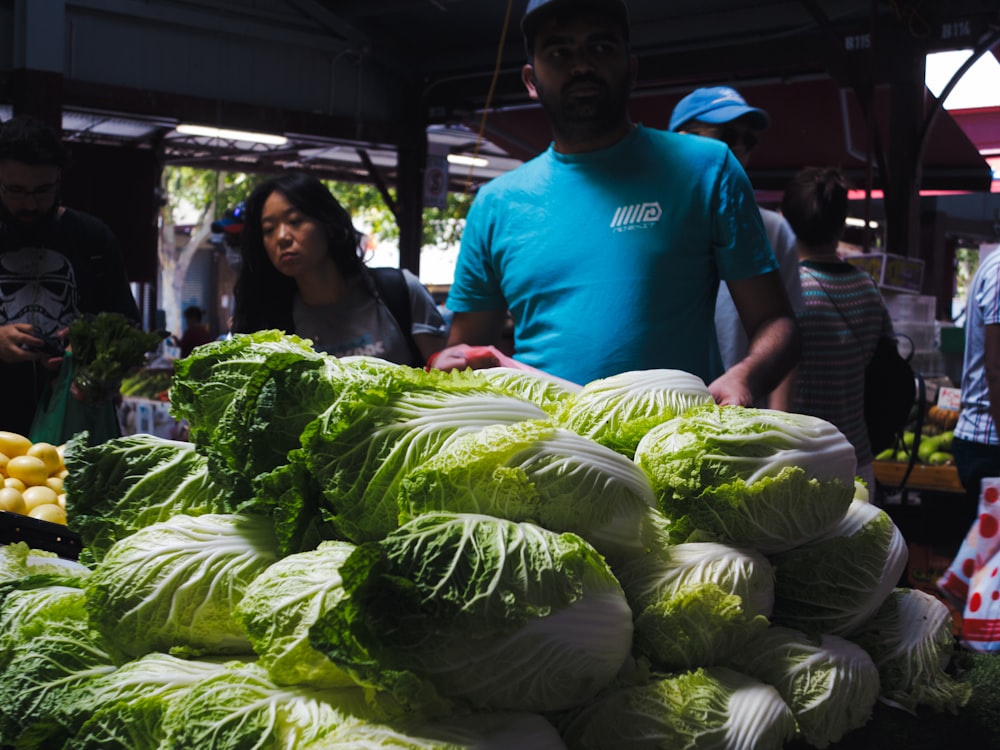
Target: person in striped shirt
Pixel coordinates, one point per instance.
(976, 447)
(843, 313)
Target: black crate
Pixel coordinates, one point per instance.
(43, 535)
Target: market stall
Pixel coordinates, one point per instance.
(472, 549)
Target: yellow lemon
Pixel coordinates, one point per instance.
(14, 482)
(61, 500)
(3, 464)
(48, 512)
(11, 500)
(13, 444)
(39, 494)
(56, 483)
(28, 469)
(49, 455)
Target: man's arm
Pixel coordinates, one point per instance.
(991, 363)
(767, 316)
(470, 329)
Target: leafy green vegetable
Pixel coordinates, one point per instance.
(106, 346)
(834, 583)
(697, 603)
(910, 638)
(282, 603)
(475, 731)
(534, 471)
(376, 432)
(122, 485)
(751, 477)
(709, 707)
(484, 612)
(619, 410)
(206, 383)
(534, 386)
(240, 708)
(830, 684)
(47, 649)
(175, 584)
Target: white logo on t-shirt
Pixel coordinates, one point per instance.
(636, 216)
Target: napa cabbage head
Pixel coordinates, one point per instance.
(280, 605)
(835, 583)
(830, 683)
(535, 471)
(48, 649)
(619, 410)
(473, 731)
(359, 451)
(750, 477)
(697, 603)
(175, 584)
(708, 707)
(535, 386)
(478, 612)
(911, 640)
(119, 486)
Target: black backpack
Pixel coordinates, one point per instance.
(393, 291)
(890, 393)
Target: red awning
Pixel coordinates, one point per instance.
(813, 123)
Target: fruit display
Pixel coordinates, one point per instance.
(934, 446)
(32, 476)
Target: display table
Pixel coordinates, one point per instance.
(923, 477)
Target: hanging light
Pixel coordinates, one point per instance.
(232, 135)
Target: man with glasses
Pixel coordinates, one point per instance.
(721, 113)
(56, 263)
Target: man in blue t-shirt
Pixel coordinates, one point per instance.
(609, 247)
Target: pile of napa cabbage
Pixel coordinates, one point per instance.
(350, 553)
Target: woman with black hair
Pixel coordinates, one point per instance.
(303, 272)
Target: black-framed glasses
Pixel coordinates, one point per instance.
(40, 193)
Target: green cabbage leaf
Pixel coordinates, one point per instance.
(619, 410)
(175, 584)
(830, 683)
(478, 612)
(751, 477)
(911, 641)
(835, 583)
(697, 603)
(709, 707)
(535, 471)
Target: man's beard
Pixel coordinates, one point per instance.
(26, 222)
(593, 115)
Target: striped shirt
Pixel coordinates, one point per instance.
(843, 316)
(982, 309)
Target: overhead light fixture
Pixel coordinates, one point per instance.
(232, 135)
(468, 161)
(853, 222)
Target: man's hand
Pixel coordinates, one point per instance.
(463, 356)
(17, 344)
(730, 389)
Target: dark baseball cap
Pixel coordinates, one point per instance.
(539, 11)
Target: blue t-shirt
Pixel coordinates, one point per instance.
(610, 261)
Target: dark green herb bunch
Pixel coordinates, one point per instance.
(105, 347)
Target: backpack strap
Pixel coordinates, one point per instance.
(394, 292)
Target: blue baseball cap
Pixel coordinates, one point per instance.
(717, 105)
(541, 10)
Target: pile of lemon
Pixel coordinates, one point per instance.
(32, 476)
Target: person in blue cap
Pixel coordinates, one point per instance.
(721, 112)
(608, 248)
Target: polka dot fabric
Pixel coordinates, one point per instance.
(972, 580)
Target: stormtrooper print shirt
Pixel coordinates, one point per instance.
(50, 275)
